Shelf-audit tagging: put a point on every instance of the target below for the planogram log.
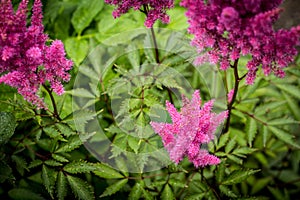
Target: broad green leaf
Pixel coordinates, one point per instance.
(80, 188)
(85, 13)
(79, 166)
(7, 126)
(49, 177)
(112, 189)
(24, 194)
(105, 171)
(284, 136)
(77, 49)
(225, 190)
(62, 189)
(167, 193)
(290, 89)
(74, 142)
(251, 128)
(238, 176)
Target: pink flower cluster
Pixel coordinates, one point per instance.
(193, 126)
(157, 9)
(26, 62)
(231, 28)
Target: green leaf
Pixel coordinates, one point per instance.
(223, 140)
(238, 176)
(243, 151)
(136, 192)
(53, 163)
(77, 49)
(106, 171)
(59, 158)
(49, 177)
(220, 174)
(230, 145)
(225, 190)
(235, 159)
(7, 126)
(112, 189)
(35, 163)
(284, 136)
(5, 171)
(293, 105)
(80, 188)
(134, 143)
(251, 128)
(61, 186)
(282, 121)
(276, 193)
(290, 89)
(265, 134)
(167, 193)
(85, 13)
(21, 164)
(260, 184)
(53, 133)
(74, 142)
(79, 166)
(24, 194)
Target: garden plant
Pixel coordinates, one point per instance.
(168, 99)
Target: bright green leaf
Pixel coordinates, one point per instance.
(167, 193)
(112, 189)
(79, 166)
(238, 176)
(77, 49)
(106, 171)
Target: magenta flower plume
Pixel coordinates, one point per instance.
(156, 10)
(229, 29)
(191, 127)
(26, 62)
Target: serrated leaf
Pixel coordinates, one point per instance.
(65, 129)
(61, 186)
(223, 140)
(282, 121)
(235, 159)
(230, 145)
(243, 151)
(251, 128)
(80, 188)
(176, 183)
(290, 89)
(220, 172)
(225, 190)
(293, 105)
(284, 136)
(21, 164)
(74, 142)
(24, 194)
(53, 133)
(49, 177)
(79, 166)
(238, 176)
(85, 13)
(147, 195)
(77, 49)
(5, 171)
(167, 193)
(81, 92)
(7, 126)
(136, 192)
(112, 189)
(53, 163)
(35, 163)
(59, 158)
(105, 171)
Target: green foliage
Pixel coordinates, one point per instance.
(95, 141)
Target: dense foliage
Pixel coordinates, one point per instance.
(97, 140)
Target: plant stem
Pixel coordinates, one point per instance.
(55, 111)
(155, 45)
(236, 88)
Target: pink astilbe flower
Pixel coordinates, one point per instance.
(156, 9)
(231, 28)
(192, 126)
(26, 62)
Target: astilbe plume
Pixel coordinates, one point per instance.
(231, 28)
(155, 9)
(192, 126)
(26, 62)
